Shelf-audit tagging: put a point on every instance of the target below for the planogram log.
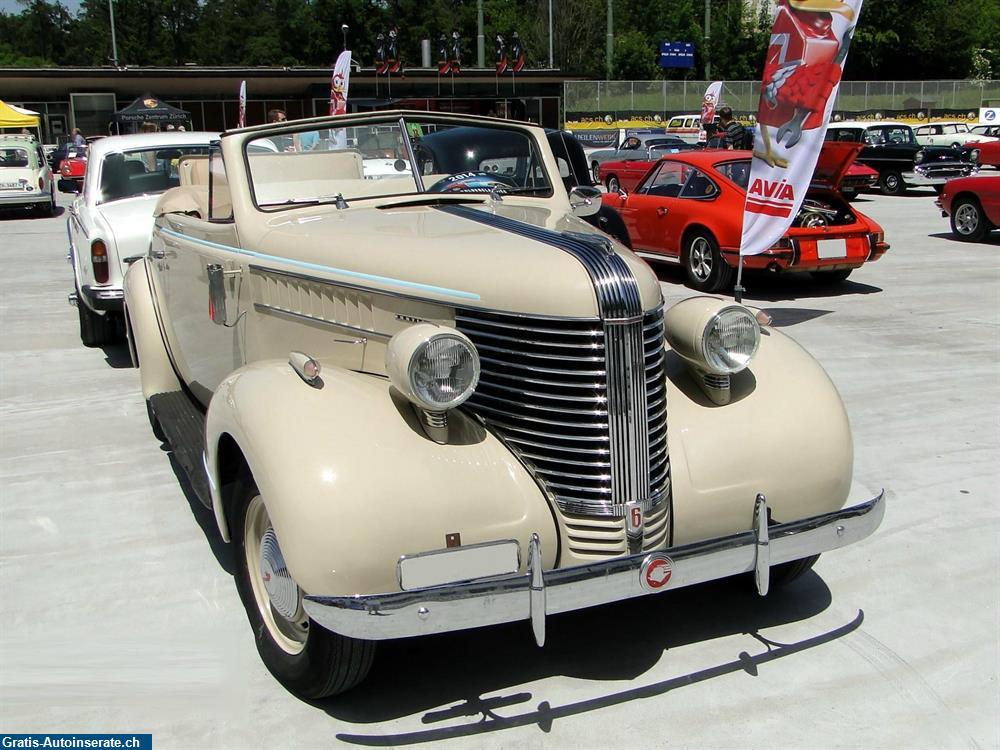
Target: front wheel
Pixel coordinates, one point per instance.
(892, 183)
(703, 263)
(784, 574)
(307, 659)
(595, 172)
(968, 221)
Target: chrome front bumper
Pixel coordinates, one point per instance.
(937, 173)
(535, 594)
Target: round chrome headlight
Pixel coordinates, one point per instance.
(974, 155)
(435, 367)
(919, 157)
(730, 340)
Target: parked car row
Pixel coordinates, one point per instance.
(300, 325)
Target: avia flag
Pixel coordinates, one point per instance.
(339, 83)
(242, 122)
(708, 105)
(802, 70)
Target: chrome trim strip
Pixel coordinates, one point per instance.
(656, 256)
(536, 594)
(261, 307)
(325, 269)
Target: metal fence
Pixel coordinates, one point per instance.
(598, 98)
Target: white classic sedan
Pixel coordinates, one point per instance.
(112, 217)
(951, 133)
(25, 177)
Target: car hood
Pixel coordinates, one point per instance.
(835, 158)
(429, 252)
(128, 223)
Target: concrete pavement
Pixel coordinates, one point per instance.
(118, 610)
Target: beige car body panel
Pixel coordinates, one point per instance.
(350, 480)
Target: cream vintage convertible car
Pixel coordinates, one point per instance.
(442, 400)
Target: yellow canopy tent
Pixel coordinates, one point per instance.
(11, 118)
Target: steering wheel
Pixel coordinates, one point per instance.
(473, 182)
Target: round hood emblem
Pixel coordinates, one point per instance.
(656, 572)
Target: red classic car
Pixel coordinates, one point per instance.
(973, 204)
(625, 174)
(74, 166)
(857, 178)
(986, 152)
(688, 208)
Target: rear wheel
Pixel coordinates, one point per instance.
(703, 263)
(95, 330)
(595, 172)
(831, 277)
(892, 183)
(968, 221)
(613, 185)
(307, 659)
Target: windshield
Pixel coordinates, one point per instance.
(13, 157)
(143, 171)
(393, 157)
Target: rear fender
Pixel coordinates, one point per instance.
(156, 371)
(351, 482)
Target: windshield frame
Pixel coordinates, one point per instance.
(417, 193)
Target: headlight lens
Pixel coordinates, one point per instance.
(974, 155)
(444, 371)
(919, 157)
(730, 340)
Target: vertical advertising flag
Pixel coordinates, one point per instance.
(708, 105)
(339, 82)
(242, 122)
(802, 70)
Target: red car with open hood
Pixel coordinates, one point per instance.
(688, 209)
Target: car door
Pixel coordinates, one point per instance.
(649, 211)
(190, 253)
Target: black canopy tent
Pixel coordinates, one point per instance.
(149, 108)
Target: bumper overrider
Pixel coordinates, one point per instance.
(536, 594)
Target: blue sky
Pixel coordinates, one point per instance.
(12, 6)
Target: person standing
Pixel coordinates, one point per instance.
(78, 139)
(731, 129)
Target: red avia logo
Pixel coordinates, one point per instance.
(771, 198)
(656, 572)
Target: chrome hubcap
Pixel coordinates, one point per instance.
(700, 259)
(966, 219)
(279, 599)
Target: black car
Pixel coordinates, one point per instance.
(892, 150)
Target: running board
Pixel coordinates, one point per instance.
(183, 426)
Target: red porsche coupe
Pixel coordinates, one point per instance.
(688, 209)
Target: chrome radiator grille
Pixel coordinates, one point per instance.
(545, 388)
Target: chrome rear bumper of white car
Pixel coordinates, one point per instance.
(536, 594)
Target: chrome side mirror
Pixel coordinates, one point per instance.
(585, 200)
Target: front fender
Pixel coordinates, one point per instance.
(785, 434)
(351, 482)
